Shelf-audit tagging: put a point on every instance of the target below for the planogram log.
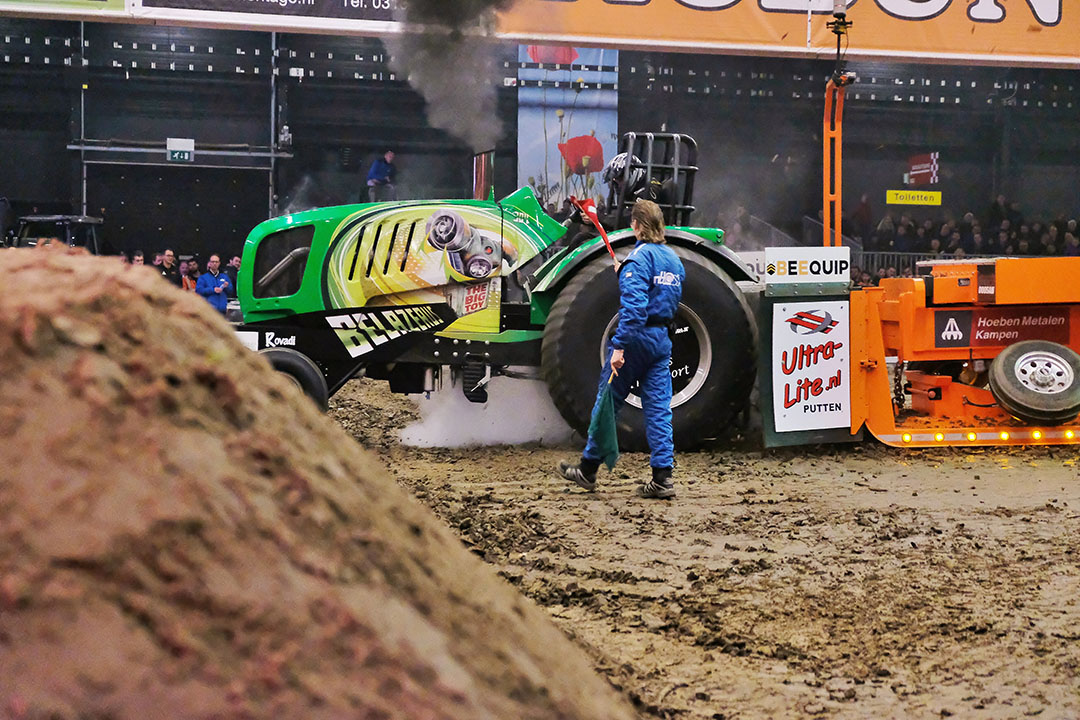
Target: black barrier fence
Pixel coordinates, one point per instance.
(871, 262)
(813, 232)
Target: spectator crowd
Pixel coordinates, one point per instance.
(217, 284)
(1002, 231)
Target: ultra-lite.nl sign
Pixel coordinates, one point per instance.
(811, 383)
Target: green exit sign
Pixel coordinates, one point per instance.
(180, 149)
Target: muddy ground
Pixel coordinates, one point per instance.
(845, 581)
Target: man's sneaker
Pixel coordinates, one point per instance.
(576, 475)
(660, 486)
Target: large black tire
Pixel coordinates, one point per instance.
(1037, 382)
(714, 358)
(303, 371)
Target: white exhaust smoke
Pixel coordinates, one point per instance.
(517, 411)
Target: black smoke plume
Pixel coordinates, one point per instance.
(446, 52)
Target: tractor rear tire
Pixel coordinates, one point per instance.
(1037, 382)
(301, 370)
(714, 360)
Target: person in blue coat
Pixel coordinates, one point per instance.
(650, 287)
(381, 178)
(214, 285)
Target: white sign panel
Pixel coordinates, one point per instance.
(366, 17)
(811, 366)
(249, 339)
(755, 260)
(807, 265)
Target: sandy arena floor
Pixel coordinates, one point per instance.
(844, 581)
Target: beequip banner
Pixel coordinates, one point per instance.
(1040, 32)
(805, 265)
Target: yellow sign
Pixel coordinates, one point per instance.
(64, 6)
(912, 197)
(1040, 32)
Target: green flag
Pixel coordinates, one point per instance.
(602, 428)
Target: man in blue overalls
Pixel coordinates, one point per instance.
(650, 287)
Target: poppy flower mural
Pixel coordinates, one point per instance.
(582, 154)
(551, 54)
(567, 121)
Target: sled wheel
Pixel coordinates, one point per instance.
(1037, 382)
(301, 370)
(714, 352)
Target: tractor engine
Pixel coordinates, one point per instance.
(467, 250)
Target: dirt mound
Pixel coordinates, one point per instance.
(182, 533)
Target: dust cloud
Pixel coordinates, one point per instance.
(517, 411)
(302, 197)
(447, 54)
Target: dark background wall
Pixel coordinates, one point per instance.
(759, 125)
(111, 94)
(118, 91)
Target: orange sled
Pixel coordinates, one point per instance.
(979, 352)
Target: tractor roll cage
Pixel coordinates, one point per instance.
(670, 159)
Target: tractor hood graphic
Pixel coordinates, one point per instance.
(363, 331)
(374, 334)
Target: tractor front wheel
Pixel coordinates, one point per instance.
(302, 371)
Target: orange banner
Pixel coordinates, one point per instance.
(1006, 32)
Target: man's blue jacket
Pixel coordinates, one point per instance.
(205, 287)
(382, 171)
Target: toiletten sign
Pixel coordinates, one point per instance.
(912, 197)
(958, 31)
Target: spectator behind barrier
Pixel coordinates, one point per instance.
(214, 284)
(1005, 231)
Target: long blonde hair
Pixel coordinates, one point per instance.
(650, 221)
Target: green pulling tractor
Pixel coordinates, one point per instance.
(406, 291)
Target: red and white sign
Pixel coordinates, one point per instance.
(924, 169)
(811, 366)
(476, 298)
